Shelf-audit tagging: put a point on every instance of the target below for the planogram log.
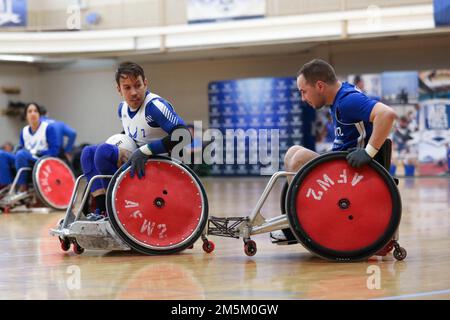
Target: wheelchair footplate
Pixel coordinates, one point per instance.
(95, 235)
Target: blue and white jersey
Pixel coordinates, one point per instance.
(42, 142)
(351, 117)
(154, 120)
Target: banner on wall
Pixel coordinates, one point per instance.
(13, 13)
(422, 134)
(200, 11)
(370, 84)
(441, 12)
(256, 105)
(400, 87)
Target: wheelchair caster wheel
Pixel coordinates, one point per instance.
(250, 248)
(208, 246)
(65, 244)
(77, 249)
(400, 253)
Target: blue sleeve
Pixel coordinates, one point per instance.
(356, 107)
(52, 141)
(119, 111)
(21, 143)
(71, 134)
(162, 113)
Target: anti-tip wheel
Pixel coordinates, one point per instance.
(400, 253)
(77, 249)
(250, 248)
(65, 244)
(208, 246)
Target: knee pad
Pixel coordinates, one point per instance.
(106, 158)
(87, 159)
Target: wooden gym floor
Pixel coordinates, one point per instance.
(32, 266)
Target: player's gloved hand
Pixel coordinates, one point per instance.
(358, 157)
(137, 162)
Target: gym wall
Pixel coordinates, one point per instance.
(87, 99)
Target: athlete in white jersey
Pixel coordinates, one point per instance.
(37, 139)
(147, 118)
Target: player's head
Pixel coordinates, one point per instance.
(313, 81)
(131, 83)
(32, 112)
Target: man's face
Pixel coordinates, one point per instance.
(312, 94)
(132, 90)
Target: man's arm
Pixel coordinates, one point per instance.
(71, 134)
(162, 113)
(382, 117)
(52, 141)
(169, 121)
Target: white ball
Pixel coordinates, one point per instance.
(123, 142)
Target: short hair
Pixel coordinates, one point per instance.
(129, 69)
(318, 70)
(38, 107)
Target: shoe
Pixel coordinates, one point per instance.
(279, 237)
(96, 216)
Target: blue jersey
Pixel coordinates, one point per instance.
(62, 131)
(151, 122)
(351, 113)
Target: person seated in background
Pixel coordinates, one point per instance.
(7, 168)
(37, 139)
(402, 134)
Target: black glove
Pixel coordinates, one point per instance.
(137, 162)
(358, 157)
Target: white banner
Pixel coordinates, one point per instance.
(218, 10)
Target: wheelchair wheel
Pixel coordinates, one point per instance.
(283, 197)
(162, 214)
(53, 181)
(340, 213)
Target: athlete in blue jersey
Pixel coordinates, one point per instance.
(37, 139)
(147, 118)
(360, 123)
